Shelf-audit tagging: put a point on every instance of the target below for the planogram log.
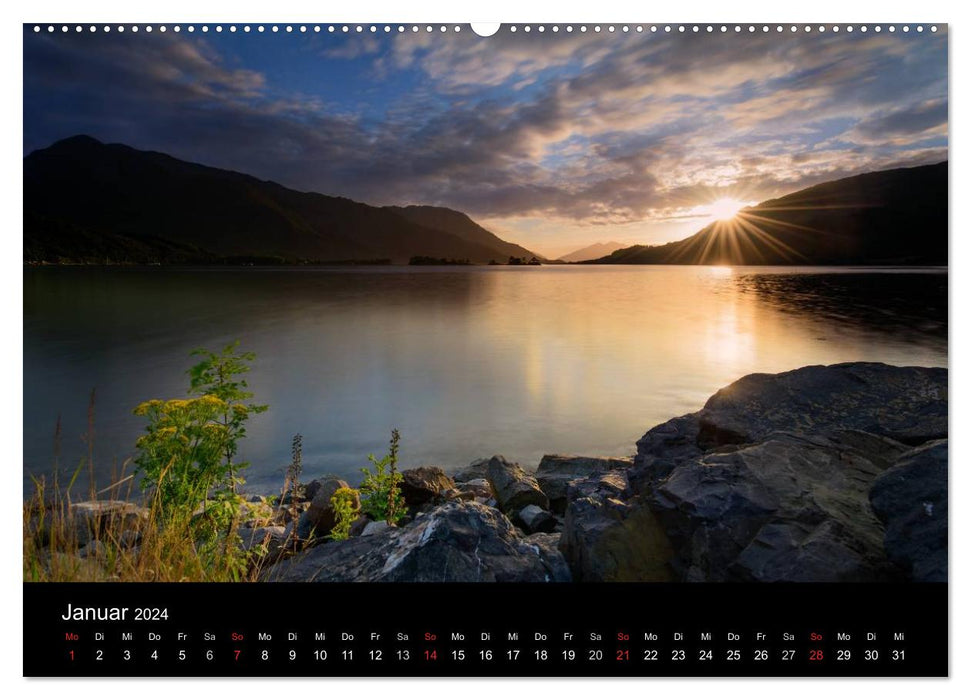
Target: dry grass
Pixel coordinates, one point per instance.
(132, 542)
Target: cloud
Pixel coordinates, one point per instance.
(918, 120)
(585, 128)
(354, 47)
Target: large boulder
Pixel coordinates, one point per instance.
(458, 541)
(771, 480)
(308, 491)
(555, 472)
(905, 404)
(606, 538)
(424, 485)
(908, 404)
(92, 519)
(790, 508)
(911, 500)
(514, 488)
(664, 447)
(319, 519)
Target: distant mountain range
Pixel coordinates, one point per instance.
(889, 217)
(597, 250)
(89, 202)
(86, 201)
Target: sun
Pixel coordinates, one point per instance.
(725, 209)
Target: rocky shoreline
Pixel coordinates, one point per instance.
(821, 474)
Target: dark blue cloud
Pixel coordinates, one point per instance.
(592, 128)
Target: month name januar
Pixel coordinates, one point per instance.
(75, 613)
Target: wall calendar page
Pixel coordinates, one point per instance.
(447, 350)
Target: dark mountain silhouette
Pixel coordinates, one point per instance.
(596, 250)
(889, 217)
(459, 224)
(85, 201)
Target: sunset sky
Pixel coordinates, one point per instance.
(551, 140)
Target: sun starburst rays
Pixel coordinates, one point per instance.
(742, 238)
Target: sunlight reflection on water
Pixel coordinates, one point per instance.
(467, 362)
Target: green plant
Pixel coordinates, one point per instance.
(292, 483)
(180, 456)
(380, 496)
(188, 531)
(187, 454)
(219, 375)
(346, 509)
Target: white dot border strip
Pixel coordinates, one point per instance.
(512, 28)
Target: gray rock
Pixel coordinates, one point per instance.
(271, 536)
(479, 469)
(308, 491)
(319, 519)
(425, 485)
(457, 541)
(357, 527)
(285, 514)
(771, 480)
(374, 527)
(606, 538)
(514, 488)
(534, 519)
(547, 546)
(129, 538)
(93, 518)
(791, 508)
(555, 472)
(904, 404)
(663, 448)
(94, 549)
(908, 404)
(793, 551)
(911, 500)
(478, 488)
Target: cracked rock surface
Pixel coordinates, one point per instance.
(461, 541)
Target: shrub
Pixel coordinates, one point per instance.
(186, 459)
(180, 456)
(187, 454)
(218, 374)
(381, 497)
(345, 504)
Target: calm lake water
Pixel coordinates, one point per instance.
(466, 361)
